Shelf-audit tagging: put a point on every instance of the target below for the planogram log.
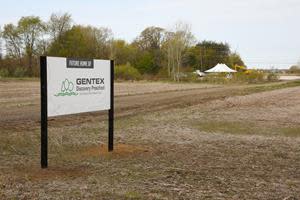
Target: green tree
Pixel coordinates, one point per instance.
(23, 39)
(235, 59)
(123, 52)
(73, 43)
(149, 44)
(83, 41)
(30, 29)
(154, 51)
(207, 54)
(192, 58)
(212, 53)
(145, 63)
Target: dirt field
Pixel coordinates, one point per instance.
(173, 141)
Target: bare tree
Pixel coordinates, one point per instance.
(167, 46)
(13, 42)
(150, 39)
(42, 45)
(177, 41)
(59, 24)
(103, 42)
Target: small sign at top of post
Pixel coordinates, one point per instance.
(72, 86)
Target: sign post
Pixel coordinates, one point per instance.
(111, 110)
(71, 86)
(44, 115)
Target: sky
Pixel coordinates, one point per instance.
(266, 33)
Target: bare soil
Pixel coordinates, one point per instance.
(173, 141)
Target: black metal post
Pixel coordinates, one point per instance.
(111, 110)
(44, 112)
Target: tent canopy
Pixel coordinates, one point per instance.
(220, 68)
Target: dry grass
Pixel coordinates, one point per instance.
(238, 147)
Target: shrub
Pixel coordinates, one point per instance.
(20, 72)
(145, 63)
(295, 69)
(216, 78)
(188, 77)
(163, 73)
(127, 72)
(252, 76)
(4, 73)
(272, 77)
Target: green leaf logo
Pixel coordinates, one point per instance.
(67, 89)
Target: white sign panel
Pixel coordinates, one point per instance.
(77, 85)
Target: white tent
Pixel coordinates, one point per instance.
(220, 68)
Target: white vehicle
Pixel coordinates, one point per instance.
(199, 73)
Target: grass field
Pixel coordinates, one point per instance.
(173, 141)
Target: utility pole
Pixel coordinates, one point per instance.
(1, 52)
(202, 50)
(201, 59)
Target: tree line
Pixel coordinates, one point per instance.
(155, 51)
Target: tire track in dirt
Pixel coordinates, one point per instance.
(27, 117)
(26, 114)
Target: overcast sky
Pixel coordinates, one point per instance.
(266, 33)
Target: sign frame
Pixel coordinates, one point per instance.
(44, 110)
